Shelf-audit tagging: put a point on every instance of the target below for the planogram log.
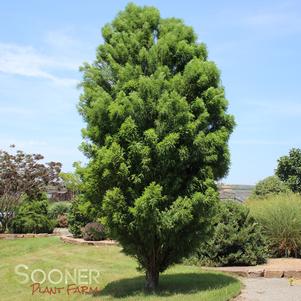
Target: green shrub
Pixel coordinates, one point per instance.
(94, 231)
(58, 208)
(269, 186)
(32, 217)
(81, 213)
(237, 239)
(280, 217)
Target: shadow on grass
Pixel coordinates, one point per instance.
(169, 284)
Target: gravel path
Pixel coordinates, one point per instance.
(270, 289)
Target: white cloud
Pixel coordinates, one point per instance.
(27, 61)
(61, 39)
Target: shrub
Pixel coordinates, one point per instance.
(32, 217)
(289, 169)
(62, 221)
(80, 214)
(269, 186)
(93, 231)
(58, 208)
(280, 217)
(237, 238)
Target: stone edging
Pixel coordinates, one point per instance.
(80, 241)
(254, 273)
(64, 238)
(28, 235)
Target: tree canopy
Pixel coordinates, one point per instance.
(21, 175)
(269, 186)
(156, 136)
(71, 181)
(289, 169)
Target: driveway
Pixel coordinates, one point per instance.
(270, 289)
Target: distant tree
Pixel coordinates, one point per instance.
(269, 186)
(71, 181)
(22, 175)
(156, 137)
(289, 169)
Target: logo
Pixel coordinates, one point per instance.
(66, 281)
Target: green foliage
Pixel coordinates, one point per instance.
(32, 217)
(71, 181)
(94, 231)
(269, 186)
(23, 175)
(156, 136)
(58, 208)
(280, 217)
(289, 169)
(80, 214)
(237, 239)
(58, 211)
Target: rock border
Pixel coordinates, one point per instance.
(80, 241)
(64, 238)
(27, 235)
(248, 272)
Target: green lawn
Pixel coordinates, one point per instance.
(119, 279)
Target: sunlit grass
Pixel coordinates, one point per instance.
(119, 279)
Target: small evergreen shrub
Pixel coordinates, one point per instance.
(80, 214)
(58, 208)
(237, 239)
(280, 218)
(94, 231)
(32, 217)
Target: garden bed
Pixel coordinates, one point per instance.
(27, 235)
(80, 241)
(56, 232)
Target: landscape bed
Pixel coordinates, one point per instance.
(118, 280)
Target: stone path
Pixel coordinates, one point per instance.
(274, 268)
(270, 289)
(277, 280)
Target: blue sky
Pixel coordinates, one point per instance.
(256, 45)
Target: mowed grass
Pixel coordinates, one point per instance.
(119, 279)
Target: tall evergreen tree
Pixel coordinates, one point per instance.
(156, 136)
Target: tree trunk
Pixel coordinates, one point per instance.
(152, 279)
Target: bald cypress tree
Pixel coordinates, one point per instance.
(156, 136)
